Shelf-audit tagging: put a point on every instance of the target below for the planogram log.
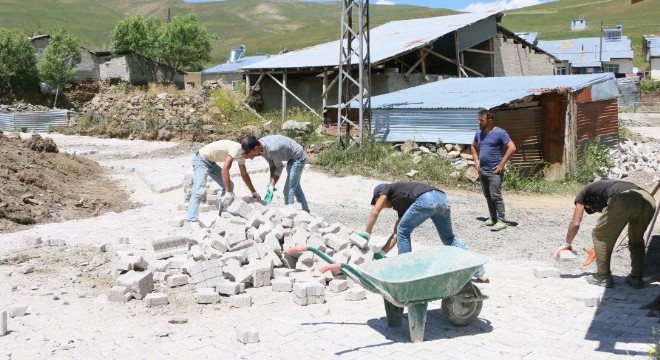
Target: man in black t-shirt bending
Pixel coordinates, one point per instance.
(620, 203)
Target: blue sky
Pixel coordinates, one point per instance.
(460, 5)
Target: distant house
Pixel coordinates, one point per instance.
(579, 24)
(587, 56)
(651, 53)
(548, 117)
(102, 65)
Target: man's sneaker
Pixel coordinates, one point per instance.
(635, 281)
(607, 282)
(489, 222)
(500, 225)
(482, 279)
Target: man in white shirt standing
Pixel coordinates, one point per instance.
(205, 164)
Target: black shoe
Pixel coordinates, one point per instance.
(635, 281)
(607, 282)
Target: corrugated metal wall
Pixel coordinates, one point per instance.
(598, 119)
(33, 120)
(629, 90)
(525, 127)
(448, 126)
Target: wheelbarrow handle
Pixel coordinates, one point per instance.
(295, 250)
(330, 267)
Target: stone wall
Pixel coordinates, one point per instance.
(512, 59)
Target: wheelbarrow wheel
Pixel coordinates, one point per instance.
(461, 313)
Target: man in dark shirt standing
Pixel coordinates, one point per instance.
(491, 149)
(620, 203)
(414, 203)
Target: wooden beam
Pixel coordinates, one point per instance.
(294, 95)
(480, 51)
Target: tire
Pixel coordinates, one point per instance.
(463, 313)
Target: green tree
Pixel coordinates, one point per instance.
(57, 64)
(18, 70)
(185, 43)
(138, 35)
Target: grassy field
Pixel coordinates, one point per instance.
(266, 26)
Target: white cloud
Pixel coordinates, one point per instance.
(385, 2)
(500, 5)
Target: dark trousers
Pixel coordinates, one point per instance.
(491, 184)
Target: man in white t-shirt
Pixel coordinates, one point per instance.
(205, 164)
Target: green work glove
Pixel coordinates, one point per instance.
(269, 194)
(364, 235)
(379, 255)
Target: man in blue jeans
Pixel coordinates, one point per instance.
(277, 150)
(414, 203)
(491, 149)
(205, 164)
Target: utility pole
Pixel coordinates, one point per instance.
(600, 58)
(352, 86)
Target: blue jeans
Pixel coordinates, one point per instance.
(201, 169)
(433, 204)
(294, 169)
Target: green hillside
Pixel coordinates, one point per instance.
(553, 20)
(266, 26)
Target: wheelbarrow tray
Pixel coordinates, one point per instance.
(425, 275)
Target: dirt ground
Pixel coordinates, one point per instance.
(41, 185)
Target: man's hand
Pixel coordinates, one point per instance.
(364, 235)
(499, 168)
(566, 246)
(227, 199)
(256, 196)
(379, 255)
(269, 194)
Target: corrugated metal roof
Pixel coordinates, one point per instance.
(585, 52)
(530, 36)
(387, 41)
(654, 46)
(235, 66)
(485, 93)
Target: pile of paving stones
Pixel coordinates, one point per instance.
(630, 156)
(241, 249)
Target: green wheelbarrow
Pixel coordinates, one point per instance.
(414, 279)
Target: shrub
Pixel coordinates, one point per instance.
(593, 159)
(230, 104)
(649, 86)
(49, 129)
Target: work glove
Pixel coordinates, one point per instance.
(269, 194)
(379, 255)
(227, 199)
(364, 235)
(566, 246)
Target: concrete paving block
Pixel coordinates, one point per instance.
(156, 299)
(240, 255)
(315, 299)
(302, 301)
(188, 264)
(338, 285)
(299, 289)
(282, 272)
(139, 284)
(218, 243)
(272, 243)
(123, 241)
(274, 259)
(315, 289)
(32, 240)
(3, 322)
(100, 248)
(330, 229)
(335, 242)
(355, 294)
(159, 265)
(207, 296)
(119, 294)
(592, 300)
(247, 336)
(177, 261)
(567, 255)
(282, 284)
(176, 222)
(161, 276)
(358, 240)
(228, 288)
(16, 310)
(138, 263)
(240, 300)
(56, 242)
(546, 272)
(237, 274)
(197, 253)
(177, 280)
(261, 277)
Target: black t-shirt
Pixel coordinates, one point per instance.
(403, 194)
(596, 194)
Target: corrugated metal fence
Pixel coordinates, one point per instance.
(33, 120)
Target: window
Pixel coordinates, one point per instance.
(613, 68)
(561, 70)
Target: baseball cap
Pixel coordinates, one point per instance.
(377, 190)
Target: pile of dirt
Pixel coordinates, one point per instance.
(40, 185)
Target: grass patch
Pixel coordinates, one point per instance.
(14, 260)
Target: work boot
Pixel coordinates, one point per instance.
(489, 222)
(500, 225)
(482, 279)
(607, 281)
(635, 281)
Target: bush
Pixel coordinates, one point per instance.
(230, 104)
(649, 86)
(593, 159)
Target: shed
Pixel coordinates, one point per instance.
(651, 53)
(548, 117)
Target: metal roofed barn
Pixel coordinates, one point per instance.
(548, 117)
